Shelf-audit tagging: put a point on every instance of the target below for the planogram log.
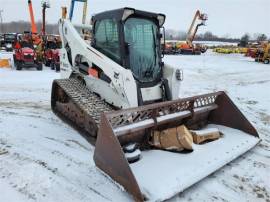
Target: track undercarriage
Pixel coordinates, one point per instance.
(76, 104)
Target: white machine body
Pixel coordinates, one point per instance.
(122, 90)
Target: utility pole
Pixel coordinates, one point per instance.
(45, 5)
(1, 21)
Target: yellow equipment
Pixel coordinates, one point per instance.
(5, 63)
(64, 12)
(264, 55)
(229, 50)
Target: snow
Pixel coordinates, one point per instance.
(162, 174)
(173, 116)
(215, 43)
(247, 83)
(47, 160)
(208, 43)
(202, 132)
(148, 122)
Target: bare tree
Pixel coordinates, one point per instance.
(244, 40)
(262, 37)
(21, 26)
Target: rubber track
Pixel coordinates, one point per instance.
(86, 100)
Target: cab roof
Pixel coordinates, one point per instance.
(119, 13)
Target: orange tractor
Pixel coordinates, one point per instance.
(188, 47)
(170, 48)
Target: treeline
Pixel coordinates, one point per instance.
(21, 26)
(209, 36)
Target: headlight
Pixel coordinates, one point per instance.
(179, 75)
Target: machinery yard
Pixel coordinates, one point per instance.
(47, 160)
(130, 101)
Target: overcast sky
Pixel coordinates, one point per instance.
(225, 17)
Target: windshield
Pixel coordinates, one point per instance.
(51, 45)
(141, 37)
(10, 37)
(107, 38)
(26, 44)
(58, 45)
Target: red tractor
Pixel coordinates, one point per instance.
(25, 55)
(51, 52)
(251, 52)
(55, 64)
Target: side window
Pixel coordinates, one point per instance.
(107, 39)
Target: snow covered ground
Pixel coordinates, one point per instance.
(209, 43)
(49, 161)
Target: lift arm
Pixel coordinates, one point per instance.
(192, 32)
(78, 46)
(33, 24)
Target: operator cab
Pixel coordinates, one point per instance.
(26, 44)
(132, 39)
(52, 42)
(52, 45)
(9, 37)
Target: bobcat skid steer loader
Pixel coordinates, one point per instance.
(115, 90)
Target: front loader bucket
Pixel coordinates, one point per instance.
(159, 174)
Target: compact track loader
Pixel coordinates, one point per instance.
(117, 92)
